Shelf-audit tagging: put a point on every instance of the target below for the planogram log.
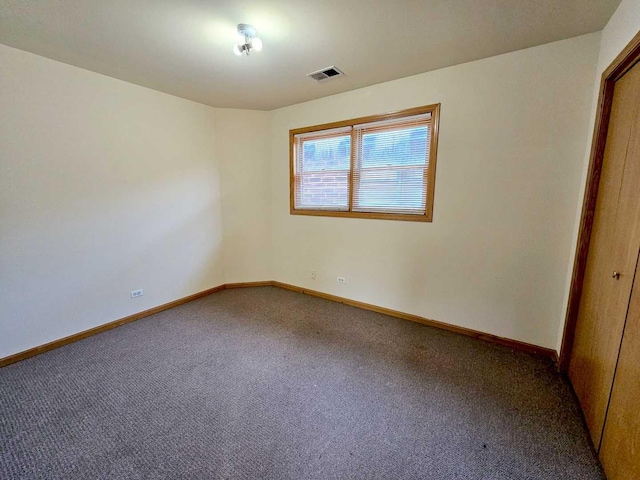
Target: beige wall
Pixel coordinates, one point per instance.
(621, 28)
(105, 187)
(243, 151)
(495, 259)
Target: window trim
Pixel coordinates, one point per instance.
(434, 110)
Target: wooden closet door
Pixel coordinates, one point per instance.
(620, 448)
(620, 451)
(610, 264)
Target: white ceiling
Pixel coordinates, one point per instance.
(184, 47)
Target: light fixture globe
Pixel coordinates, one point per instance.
(256, 44)
(237, 50)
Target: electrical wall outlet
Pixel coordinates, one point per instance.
(341, 280)
(313, 274)
(137, 293)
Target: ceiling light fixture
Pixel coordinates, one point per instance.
(247, 40)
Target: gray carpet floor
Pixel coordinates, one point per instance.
(267, 383)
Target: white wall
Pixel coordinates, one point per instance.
(243, 151)
(105, 187)
(513, 133)
(621, 28)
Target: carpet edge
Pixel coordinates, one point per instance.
(31, 352)
(487, 337)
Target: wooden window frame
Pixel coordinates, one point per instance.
(434, 110)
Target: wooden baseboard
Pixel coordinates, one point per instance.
(515, 344)
(103, 328)
(266, 283)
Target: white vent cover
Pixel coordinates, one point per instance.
(326, 73)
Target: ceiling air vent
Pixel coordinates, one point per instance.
(326, 73)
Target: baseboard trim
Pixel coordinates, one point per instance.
(514, 344)
(266, 283)
(32, 352)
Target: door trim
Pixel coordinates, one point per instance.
(621, 65)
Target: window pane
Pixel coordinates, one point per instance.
(331, 153)
(323, 190)
(402, 146)
(391, 189)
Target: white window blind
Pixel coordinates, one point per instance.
(392, 163)
(376, 167)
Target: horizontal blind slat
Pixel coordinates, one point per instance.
(414, 119)
(323, 133)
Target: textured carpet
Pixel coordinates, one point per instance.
(268, 383)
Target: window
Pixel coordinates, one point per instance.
(374, 167)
